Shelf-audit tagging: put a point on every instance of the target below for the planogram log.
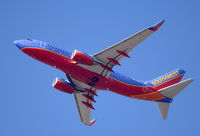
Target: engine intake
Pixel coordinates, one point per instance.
(82, 58)
(63, 85)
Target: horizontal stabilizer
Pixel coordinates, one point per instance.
(173, 90)
(163, 108)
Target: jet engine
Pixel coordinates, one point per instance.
(63, 85)
(82, 58)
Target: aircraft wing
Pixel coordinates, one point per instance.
(83, 109)
(114, 54)
(84, 98)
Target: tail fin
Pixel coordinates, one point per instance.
(167, 79)
(163, 108)
(170, 92)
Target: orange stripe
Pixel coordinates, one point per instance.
(153, 96)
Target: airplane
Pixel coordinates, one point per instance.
(87, 74)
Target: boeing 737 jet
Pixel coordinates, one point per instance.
(87, 74)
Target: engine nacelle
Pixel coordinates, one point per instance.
(63, 85)
(82, 58)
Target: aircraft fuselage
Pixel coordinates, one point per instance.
(61, 60)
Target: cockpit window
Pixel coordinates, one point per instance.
(30, 39)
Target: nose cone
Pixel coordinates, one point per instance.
(19, 44)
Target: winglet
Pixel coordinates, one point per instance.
(92, 122)
(156, 26)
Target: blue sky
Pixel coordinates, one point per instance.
(30, 106)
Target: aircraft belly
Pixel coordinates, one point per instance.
(88, 77)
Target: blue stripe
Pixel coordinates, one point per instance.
(58, 50)
(165, 100)
(126, 80)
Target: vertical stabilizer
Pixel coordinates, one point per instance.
(163, 108)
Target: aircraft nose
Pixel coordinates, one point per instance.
(19, 44)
